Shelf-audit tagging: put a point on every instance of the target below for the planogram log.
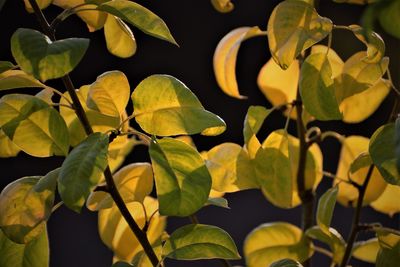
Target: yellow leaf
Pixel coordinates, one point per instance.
(223, 6)
(366, 250)
(7, 147)
(374, 42)
(116, 234)
(95, 20)
(119, 38)
(334, 60)
(352, 147)
(386, 202)
(134, 182)
(225, 58)
(41, 3)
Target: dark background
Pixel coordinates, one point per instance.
(197, 27)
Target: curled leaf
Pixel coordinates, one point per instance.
(119, 38)
(373, 41)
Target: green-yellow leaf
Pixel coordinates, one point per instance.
(385, 203)
(373, 41)
(140, 17)
(182, 179)
(218, 202)
(6, 65)
(33, 254)
(82, 169)
(13, 79)
(7, 147)
(223, 6)
(225, 56)
(119, 38)
(366, 250)
(164, 106)
(44, 59)
(34, 126)
(293, 27)
(230, 168)
(326, 205)
(199, 241)
(286, 263)
(275, 241)
(109, 94)
(116, 234)
(382, 149)
(134, 182)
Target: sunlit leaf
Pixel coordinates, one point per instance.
(389, 254)
(134, 182)
(199, 241)
(41, 3)
(82, 170)
(223, 6)
(25, 205)
(109, 94)
(352, 147)
(326, 205)
(286, 263)
(44, 59)
(293, 27)
(46, 95)
(138, 16)
(317, 88)
(33, 254)
(119, 38)
(373, 41)
(389, 17)
(230, 168)
(95, 20)
(12, 79)
(385, 202)
(366, 250)
(141, 259)
(116, 234)
(164, 106)
(6, 65)
(382, 149)
(225, 56)
(34, 126)
(275, 241)
(335, 61)
(182, 179)
(7, 147)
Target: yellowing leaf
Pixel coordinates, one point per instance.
(7, 147)
(385, 202)
(366, 250)
(134, 182)
(230, 168)
(164, 106)
(6, 65)
(334, 60)
(109, 94)
(352, 147)
(12, 79)
(95, 20)
(275, 241)
(223, 6)
(116, 234)
(374, 42)
(225, 55)
(41, 3)
(293, 27)
(119, 38)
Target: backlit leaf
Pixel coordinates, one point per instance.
(286, 263)
(119, 38)
(326, 205)
(134, 182)
(366, 250)
(12, 79)
(225, 56)
(373, 41)
(7, 147)
(293, 27)
(389, 254)
(44, 59)
(275, 241)
(317, 88)
(33, 125)
(385, 203)
(116, 234)
(223, 6)
(389, 17)
(82, 170)
(41, 3)
(382, 149)
(164, 106)
(5, 65)
(33, 254)
(199, 241)
(182, 179)
(109, 94)
(140, 17)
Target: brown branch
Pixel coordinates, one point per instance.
(80, 112)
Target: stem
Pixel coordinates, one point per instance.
(355, 227)
(323, 251)
(80, 112)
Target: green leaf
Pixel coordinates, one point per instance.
(317, 88)
(18, 79)
(373, 41)
(252, 123)
(388, 256)
(199, 241)
(164, 106)
(293, 27)
(366, 250)
(363, 160)
(326, 205)
(218, 202)
(44, 59)
(109, 94)
(25, 204)
(275, 241)
(5, 65)
(82, 170)
(389, 17)
(182, 180)
(286, 263)
(140, 17)
(33, 125)
(33, 254)
(382, 149)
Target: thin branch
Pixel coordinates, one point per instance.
(62, 105)
(57, 206)
(323, 251)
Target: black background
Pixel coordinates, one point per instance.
(197, 27)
